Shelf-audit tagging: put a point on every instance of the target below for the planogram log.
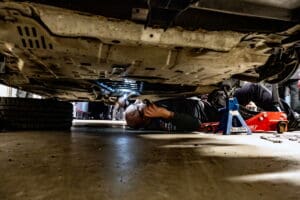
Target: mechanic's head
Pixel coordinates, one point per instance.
(134, 115)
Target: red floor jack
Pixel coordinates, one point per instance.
(262, 122)
(268, 121)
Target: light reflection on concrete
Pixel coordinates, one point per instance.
(77, 122)
(292, 177)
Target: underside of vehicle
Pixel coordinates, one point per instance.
(96, 50)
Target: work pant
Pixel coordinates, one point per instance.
(294, 93)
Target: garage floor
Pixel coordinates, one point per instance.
(114, 163)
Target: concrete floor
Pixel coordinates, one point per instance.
(114, 163)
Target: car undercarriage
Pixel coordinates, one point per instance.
(99, 50)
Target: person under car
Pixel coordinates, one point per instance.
(184, 114)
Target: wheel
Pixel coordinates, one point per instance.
(209, 129)
(35, 114)
(282, 127)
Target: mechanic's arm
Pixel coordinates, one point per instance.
(182, 121)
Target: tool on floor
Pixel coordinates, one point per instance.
(271, 139)
(279, 138)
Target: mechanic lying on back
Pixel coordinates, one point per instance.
(187, 114)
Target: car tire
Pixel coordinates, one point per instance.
(35, 114)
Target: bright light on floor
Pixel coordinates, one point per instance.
(77, 122)
(286, 176)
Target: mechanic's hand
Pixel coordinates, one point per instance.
(251, 106)
(153, 111)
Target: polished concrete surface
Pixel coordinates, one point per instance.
(115, 163)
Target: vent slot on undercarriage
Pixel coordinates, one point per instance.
(30, 38)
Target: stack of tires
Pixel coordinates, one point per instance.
(35, 114)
